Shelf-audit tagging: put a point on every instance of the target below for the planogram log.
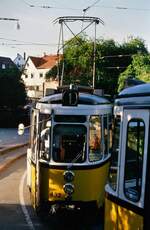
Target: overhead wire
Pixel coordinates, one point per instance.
(49, 7)
(24, 42)
(88, 7)
(123, 8)
(93, 4)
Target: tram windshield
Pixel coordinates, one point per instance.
(69, 143)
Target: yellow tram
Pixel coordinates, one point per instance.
(127, 201)
(68, 158)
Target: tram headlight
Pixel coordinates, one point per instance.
(68, 176)
(68, 188)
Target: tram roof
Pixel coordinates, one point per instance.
(84, 99)
(135, 95)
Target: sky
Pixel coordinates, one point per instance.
(122, 18)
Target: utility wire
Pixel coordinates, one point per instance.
(87, 8)
(123, 8)
(49, 7)
(25, 42)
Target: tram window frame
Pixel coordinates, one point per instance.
(107, 127)
(96, 149)
(70, 118)
(133, 193)
(45, 136)
(60, 143)
(33, 135)
(114, 162)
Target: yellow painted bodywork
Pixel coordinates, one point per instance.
(33, 197)
(117, 217)
(88, 184)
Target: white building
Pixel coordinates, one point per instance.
(34, 75)
(20, 61)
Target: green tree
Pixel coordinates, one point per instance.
(12, 89)
(111, 60)
(138, 69)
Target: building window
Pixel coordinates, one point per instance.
(134, 159)
(30, 87)
(41, 75)
(3, 66)
(32, 75)
(26, 76)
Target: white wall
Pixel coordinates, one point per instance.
(36, 80)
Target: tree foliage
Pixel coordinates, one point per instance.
(12, 89)
(139, 69)
(111, 60)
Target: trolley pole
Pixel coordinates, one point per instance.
(63, 21)
(94, 58)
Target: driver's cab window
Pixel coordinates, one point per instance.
(69, 143)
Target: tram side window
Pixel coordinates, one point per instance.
(95, 139)
(69, 143)
(134, 159)
(107, 134)
(33, 135)
(45, 136)
(113, 170)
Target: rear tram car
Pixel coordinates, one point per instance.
(127, 201)
(68, 160)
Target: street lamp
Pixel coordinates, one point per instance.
(12, 19)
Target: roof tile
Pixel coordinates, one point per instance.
(46, 62)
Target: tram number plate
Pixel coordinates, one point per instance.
(56, 195)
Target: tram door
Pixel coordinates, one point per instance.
(133, 158)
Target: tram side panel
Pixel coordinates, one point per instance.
(127, 191)
(118, 217)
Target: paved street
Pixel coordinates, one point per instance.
(16, 212)
(11, 214)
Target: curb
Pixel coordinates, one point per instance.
(9, 162)
(13, 147)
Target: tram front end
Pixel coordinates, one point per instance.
(70, 150)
